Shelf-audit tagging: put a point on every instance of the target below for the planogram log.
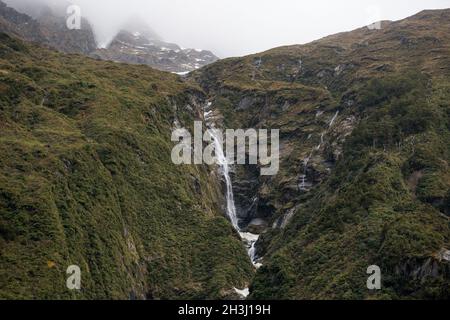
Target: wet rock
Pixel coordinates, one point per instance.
(248, 102)
(444, 255)
(245, 187)
(257, 226)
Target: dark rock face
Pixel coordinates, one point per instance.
(20, 24)
(49, 29)
(245, 187)
(311, 142)
(257, 226)
(418, 274)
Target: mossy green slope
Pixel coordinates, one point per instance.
(86, 179)
(385, 204)
(379, 190)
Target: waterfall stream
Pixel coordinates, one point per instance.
(249, 239)
(225, 167)
(303, 185)
(333, 119)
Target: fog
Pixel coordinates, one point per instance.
(239, 27)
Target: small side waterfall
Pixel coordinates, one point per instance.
(303, 185)
(333, 119)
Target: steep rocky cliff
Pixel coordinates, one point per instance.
(47, 28)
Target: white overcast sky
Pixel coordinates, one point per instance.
(239, 27)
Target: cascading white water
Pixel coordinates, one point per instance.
(225, 167)
(248, 238)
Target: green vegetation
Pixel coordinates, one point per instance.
(364, 118)
(86, 179)
(377, 180)
(384, 204)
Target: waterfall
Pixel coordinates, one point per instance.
(225, 167)
(249, 239)
(333, 119)
(303, 184)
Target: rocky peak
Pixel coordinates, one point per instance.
(139, 28)
(143, 47)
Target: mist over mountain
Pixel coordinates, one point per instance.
(134, 42)
(235, 27)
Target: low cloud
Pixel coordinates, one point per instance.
(238, 27)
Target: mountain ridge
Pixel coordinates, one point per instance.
(356, 111)
(49, 28)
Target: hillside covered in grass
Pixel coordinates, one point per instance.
(86, 179)
(365, 160)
